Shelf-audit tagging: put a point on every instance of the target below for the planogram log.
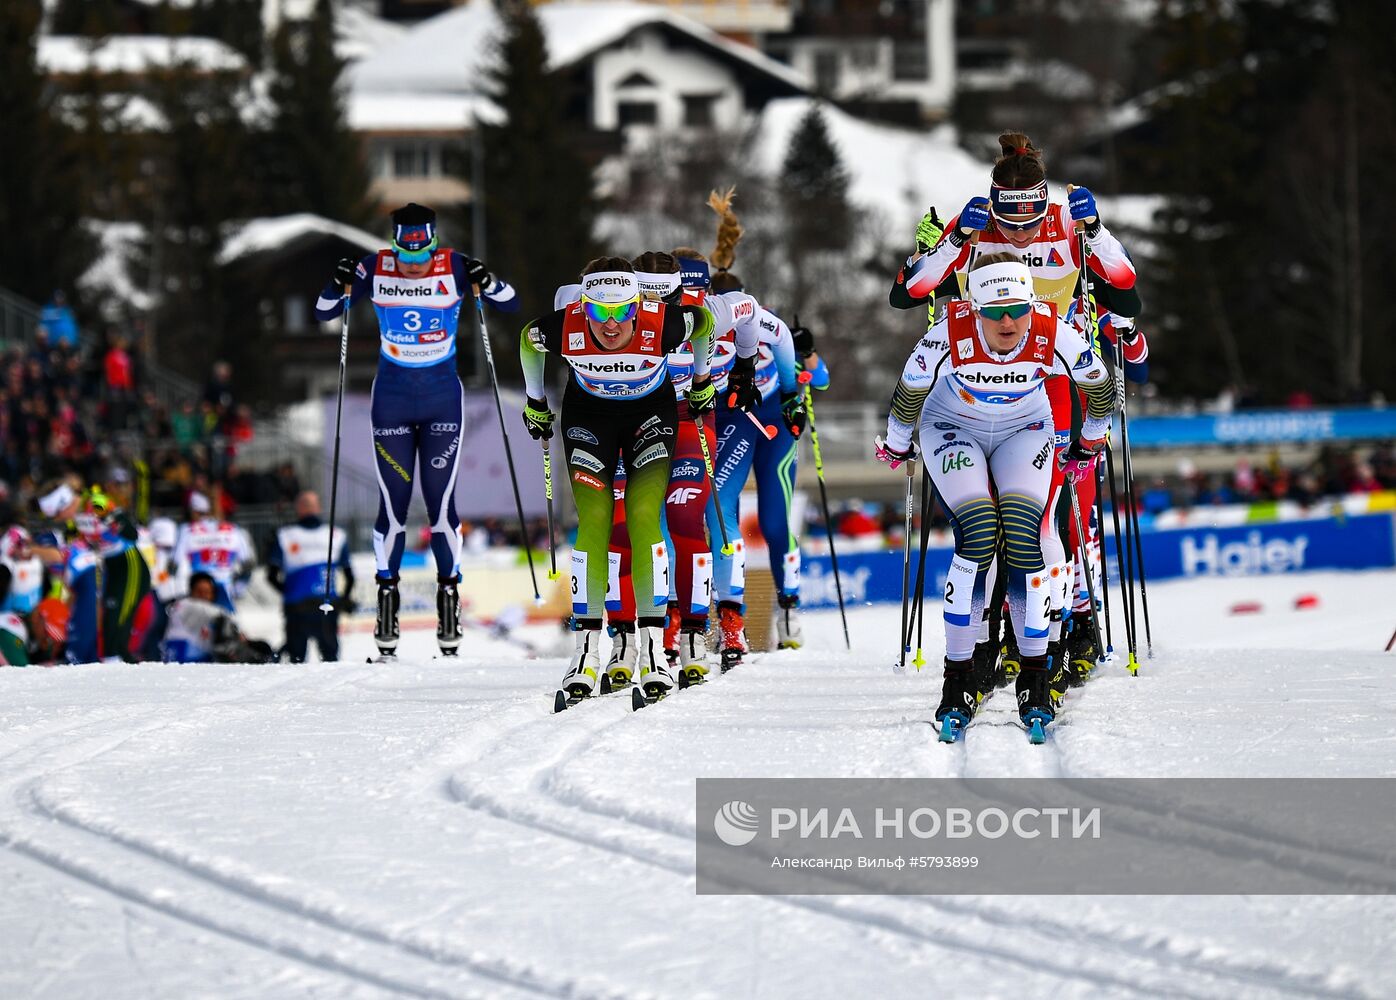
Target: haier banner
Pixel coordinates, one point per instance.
(1364, 541)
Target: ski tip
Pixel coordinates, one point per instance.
(637, 699)
(952, 726)
(1037, 734)
(559, 701)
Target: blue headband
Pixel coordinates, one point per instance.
(693, 273)
(1019, 206)
(415, 237)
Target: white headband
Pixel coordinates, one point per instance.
(54, 502)
(662, 285)
(610, 287)
(1010, 281)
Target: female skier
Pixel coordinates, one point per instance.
(686, 498)
(1018, 218)
(617, 404)
(418, 289)
(975, 385)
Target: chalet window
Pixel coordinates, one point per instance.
(296, 313)
(826, 71)
(698, 110)
(637, 113)
(414, 159)
(909, 60)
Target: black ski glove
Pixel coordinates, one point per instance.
(344, 272)
(477, 273)
(803, 338)
(793, 409)
(742, 393)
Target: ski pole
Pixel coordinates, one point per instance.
(1104, 563)
(824, 502)
(1390, 642)
(900, 666)
(1124, 556)
(504, 433)
(727, 549)
(1131, 500)
(919, 596)
(548, 491)
(1085, 562)
(327, 605)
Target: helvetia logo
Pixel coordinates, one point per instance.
(736, 824)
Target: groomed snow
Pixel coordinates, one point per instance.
(429, 829)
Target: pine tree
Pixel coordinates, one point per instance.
(539, 198)
(42, 243)
(814, 186)
(194, 195)
(314, 163)
(814, 194)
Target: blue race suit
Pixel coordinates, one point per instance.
(741, 447)
(418, 403)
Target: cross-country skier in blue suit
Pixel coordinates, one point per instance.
(418, 289)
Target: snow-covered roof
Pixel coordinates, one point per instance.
(275, 232)
(451, 53)
(396, 112)
(901, 171)
(71, 54)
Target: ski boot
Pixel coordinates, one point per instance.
(959, 699)
(654, 679)
(1011, 660)
(1034, 697)
(671, 634)
(789, 635)
(1081, 651)
(986, 668)
(447, 616)
(583, 670)
(693, 652)
(385, 631)
(731, 628)
(620, 668)
(1057, 671)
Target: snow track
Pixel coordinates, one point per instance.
(430, 829)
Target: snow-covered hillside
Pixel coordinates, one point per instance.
(429, 829)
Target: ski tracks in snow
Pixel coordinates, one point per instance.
(235, 903)
(533, 772)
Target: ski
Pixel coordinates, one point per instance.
(382, 658)
(563, 699)
(639, 699)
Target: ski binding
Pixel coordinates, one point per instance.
(952, 727)
(1037, 721)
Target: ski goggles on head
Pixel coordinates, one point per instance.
(414, 256)
(1013, 310)
(602, 312)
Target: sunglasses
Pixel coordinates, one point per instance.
(1016, 310)
(1019, 227)
(414, 256)
(601, 312)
